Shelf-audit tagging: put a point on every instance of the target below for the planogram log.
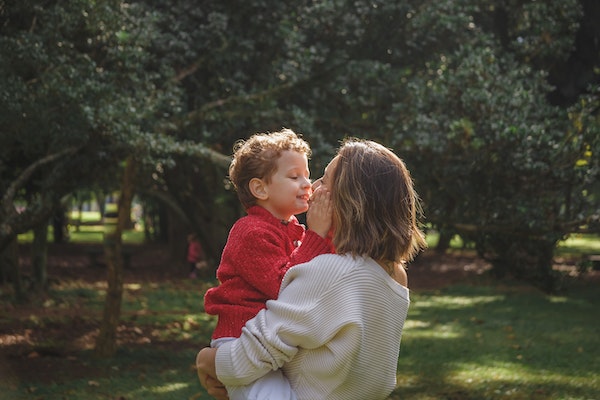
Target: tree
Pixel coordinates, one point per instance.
(459, 88)
(498, 163)
(106, 342)
(80, 94)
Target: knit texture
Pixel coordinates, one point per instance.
(335, 330)
(259, 251)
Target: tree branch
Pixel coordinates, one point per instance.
(9, 195)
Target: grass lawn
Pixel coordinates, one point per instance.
(501, 342)
(90, 230)
(469, 339)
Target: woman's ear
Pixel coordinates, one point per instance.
(258, 188)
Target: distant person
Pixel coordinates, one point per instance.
(335, 328)
(195, 256)
(270, 173)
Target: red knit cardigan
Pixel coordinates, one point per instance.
(259, 251)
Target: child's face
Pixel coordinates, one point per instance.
(289, 188)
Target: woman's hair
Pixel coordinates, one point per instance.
(374, 204)
(257, 158)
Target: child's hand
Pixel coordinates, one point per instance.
(318, 217)
(207, 374)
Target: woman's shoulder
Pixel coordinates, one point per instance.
(324, 266)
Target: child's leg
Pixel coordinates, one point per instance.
(192, 271)
(273, 386)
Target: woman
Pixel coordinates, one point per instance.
(336, 326)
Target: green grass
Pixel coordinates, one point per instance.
(497, 341)
(487, 342)
(464, 342)
(166, 329)
(91, 230)
(575, 245)
(579, 244)
(133, 374)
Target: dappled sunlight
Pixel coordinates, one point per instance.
(455, 302)
(581, 243)
(416, 324)
(13, 339)
(86, 341)
(132, 286)
(441, 331)
(461, 341)
(487, 370)
(168, 388)
(73, 284)
(516, 376)
(491, 379)
(556, 299)
(501, 342)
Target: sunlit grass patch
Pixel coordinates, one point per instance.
(500, 343)
(579, 244)
(495, 341)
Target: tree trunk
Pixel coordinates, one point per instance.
(106, 343)
(444, 241)
(79, 215)
(101, 202)
(11, 270)
(178, 231)
(58, 224)
(39, 257)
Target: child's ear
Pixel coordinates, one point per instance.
(258, 188)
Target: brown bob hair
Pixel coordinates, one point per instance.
(375, 205)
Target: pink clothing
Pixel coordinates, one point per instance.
(195, 252)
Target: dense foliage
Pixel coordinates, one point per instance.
(491, 104)
(78, 88)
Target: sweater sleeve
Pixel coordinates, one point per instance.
(312, 245)
(307, 314)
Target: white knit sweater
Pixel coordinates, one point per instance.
(335, 330)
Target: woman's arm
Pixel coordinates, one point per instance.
(273, 337)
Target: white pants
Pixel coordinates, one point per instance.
(272, 386)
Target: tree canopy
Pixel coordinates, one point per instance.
(493, 105)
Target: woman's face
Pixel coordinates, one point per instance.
(325, 181)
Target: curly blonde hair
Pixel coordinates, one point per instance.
(257, 157)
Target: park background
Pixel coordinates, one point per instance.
(117, 121)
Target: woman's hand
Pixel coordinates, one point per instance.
(207, 374)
